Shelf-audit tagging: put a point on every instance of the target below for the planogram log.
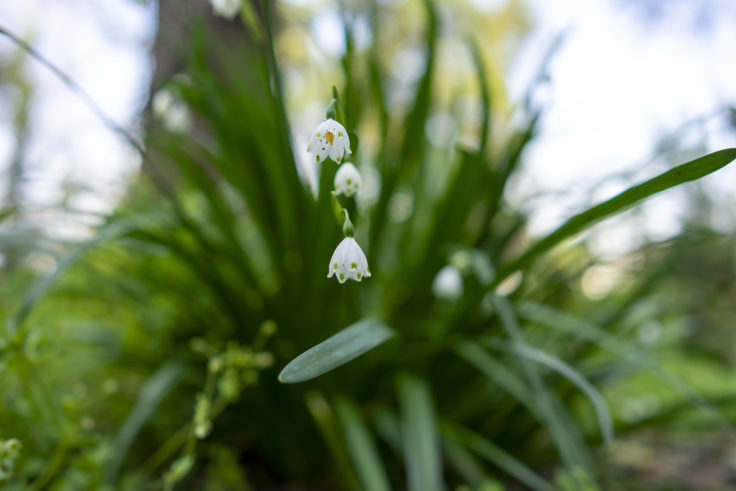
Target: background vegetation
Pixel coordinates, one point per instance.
(149, 356)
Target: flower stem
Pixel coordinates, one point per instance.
(347, 229)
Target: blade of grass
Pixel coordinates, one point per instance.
(151, 395)
(419, 429)
(361, 447)
(496, 455)
(499, 373)
(556, 419)
(464, 463)
(485, 94)
(322, 415)
(547, 316)
(690, 171)
(599, 404)
(388, 428)
(404, 164)
(116, 229)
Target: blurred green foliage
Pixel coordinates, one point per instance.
(147, 356)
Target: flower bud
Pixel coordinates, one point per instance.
(347, 180)
(448, 284)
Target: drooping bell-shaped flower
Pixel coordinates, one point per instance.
(173, 112)
(330, 139)
(347, 180)
(348, 262)
(448, 284)
(226, 8)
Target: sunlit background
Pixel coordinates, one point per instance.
(626, 74)
(629, 88)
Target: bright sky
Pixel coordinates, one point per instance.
(617, 84)
(102, 49)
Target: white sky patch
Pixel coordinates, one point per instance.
(617, 85)
(489, 6)
(328, 32)
(106, 53)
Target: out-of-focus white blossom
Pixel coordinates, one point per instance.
(348, 262)
(347, 180)
(226, 8)
(330, 139)
(172, 111)
(448, 284)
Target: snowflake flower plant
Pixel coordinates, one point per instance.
(348, 261)
(347, 180)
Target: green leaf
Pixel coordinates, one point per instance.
(152, 393)
(496, 455)
(599, 404)
(485, 94)
(325, 419)
(335, 351)
(556, 419)
(421, 441)
(114, 230)
(629, 352)
(387, 426)
(695, 169)
(361, 447)
(464, 463)
(498, 372)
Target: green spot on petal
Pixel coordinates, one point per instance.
(317, 158)
(353, 265)
(342, 276)
(359, 275)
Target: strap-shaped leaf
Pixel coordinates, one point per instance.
(599, 404)
(337, 350)
(695, 169)
(556, 419)
(494, 454)
(361, 447)
(422, 452)
(151, 395)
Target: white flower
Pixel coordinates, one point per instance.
(172, 111)
(347, 180)
(226, 8)
(331, 140)
(348, 261)
(448, 284)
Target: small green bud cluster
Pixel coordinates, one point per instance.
(9, 451)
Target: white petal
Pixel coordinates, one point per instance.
(334, 148)
(336, 152)
(348, 261)
(448, 284)
(347, 180)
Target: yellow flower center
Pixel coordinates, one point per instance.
(329, 137)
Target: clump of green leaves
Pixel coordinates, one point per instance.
(377, 385)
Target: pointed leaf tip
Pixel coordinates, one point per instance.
(336, 350)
